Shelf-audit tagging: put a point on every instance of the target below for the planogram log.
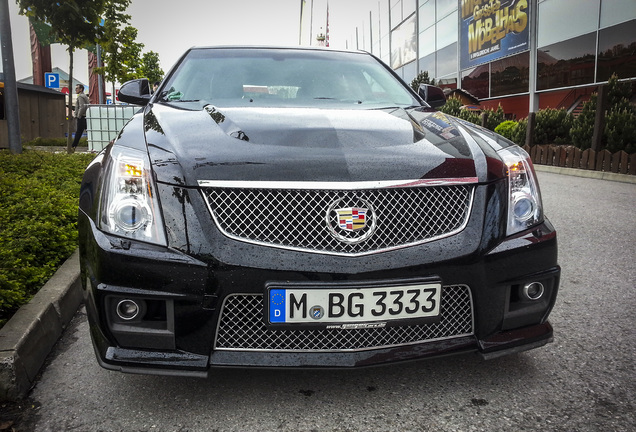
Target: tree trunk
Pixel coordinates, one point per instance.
(69, 140)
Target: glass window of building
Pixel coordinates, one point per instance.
(428, 64)
(408, 7)
(617, 11)
(427, 14)
(444, 7)
(476, 81)
(447, 31)
(427, 42)
(404, 43)
(564, 19)
(447, 60)
(510, 75)
(410, 72)
(567, 63)
(616, 48)
(396, 14)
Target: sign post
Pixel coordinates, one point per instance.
(10, 84)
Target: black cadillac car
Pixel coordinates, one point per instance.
(288, 207)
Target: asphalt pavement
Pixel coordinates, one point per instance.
(585, 381)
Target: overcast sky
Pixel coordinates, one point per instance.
(169, 27)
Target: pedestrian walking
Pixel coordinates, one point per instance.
(80, 113)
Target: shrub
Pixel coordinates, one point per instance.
(583, 126)
(619, 132)
(553, 126)
(55, 142)
(39, 194)
(520, 132)
(495, 117)
(508, 129)
(470, 116)
(453, 107)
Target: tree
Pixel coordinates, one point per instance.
(421, 78)
(73, 23)
(120, 51)
(130, 66)
(150, 67)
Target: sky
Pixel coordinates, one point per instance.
(170, 27)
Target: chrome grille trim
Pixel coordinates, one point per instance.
(241, 327)
(294, 216)
(302, 185)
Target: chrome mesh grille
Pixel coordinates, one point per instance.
(301, 219)
(241, 327)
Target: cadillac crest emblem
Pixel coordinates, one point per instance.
(351, 220)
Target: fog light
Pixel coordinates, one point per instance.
(127, 309)
(533, 290)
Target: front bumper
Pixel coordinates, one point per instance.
(187, 294)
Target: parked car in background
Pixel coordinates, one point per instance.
(305, 208)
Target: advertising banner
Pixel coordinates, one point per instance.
(492, 29)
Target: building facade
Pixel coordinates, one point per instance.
(524, 55)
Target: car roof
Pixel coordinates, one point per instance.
(279, 47)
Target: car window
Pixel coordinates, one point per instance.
(270, 77)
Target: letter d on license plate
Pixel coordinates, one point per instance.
(317, 303)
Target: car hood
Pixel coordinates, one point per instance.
(306, 144)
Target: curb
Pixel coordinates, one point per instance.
(576, 172)
(29, 336)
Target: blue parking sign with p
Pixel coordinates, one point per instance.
(52, 80)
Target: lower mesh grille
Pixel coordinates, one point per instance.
(241, 327)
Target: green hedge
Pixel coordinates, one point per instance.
(39, 194)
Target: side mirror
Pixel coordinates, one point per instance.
(135, 92)
(434, 96)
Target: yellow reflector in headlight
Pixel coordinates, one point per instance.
(131, 169)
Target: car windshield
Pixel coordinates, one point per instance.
(234, 77)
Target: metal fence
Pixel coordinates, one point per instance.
(104, 123)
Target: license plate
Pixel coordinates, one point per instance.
(342, 304)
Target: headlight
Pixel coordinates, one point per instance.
(524, 199)
(129, 205)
